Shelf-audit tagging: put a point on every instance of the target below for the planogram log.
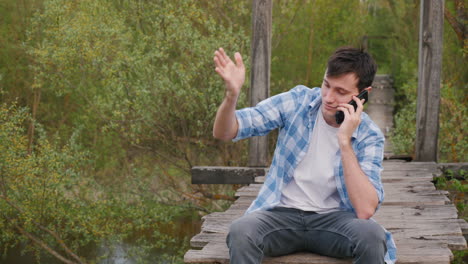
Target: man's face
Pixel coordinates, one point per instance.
(335, 91)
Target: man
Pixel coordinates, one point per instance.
(324, 183)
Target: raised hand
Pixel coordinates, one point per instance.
(232, 73)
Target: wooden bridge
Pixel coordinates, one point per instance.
(422, 220)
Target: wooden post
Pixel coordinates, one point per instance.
(430, 65)
(260, 73)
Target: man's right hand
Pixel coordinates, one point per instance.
(232, 73)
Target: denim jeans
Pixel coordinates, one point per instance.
(282, 231)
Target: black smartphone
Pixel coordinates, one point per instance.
(339, 116)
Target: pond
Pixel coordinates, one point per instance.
(112, 252)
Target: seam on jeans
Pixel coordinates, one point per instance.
(275, 230)
(305, 230)
(337, 233)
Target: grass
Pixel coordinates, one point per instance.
(456, 183)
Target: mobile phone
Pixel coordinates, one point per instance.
(339, 116)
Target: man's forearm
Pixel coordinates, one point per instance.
(361, 192)
(225, 126)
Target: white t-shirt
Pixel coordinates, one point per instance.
(313, 186)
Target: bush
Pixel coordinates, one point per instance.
(45, 200)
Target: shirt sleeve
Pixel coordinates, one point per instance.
(266, 116)
(370, 157)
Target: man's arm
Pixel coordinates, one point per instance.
(225, 126)
(362, 193)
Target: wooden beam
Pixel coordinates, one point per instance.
(260, 73)
(225, 175)
(430, 66)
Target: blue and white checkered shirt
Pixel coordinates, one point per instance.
(294, 113)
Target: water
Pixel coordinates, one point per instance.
(115, 252)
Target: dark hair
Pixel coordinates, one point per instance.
(351, 60)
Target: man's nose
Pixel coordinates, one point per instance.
(329, 96)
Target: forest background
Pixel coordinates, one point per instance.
(106, 105)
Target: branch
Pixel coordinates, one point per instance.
(459, 28)
(275, 43)
(52, 233)
(42, 245)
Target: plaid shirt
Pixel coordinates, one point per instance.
(295, 112)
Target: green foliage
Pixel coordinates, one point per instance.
(140, 75)
(404, 133)
(133, 84)
(456, 182)
(305, 33)
(453, 131)
(43, 190)
(14, 62)
(460, 256)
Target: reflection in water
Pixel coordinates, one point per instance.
(117, 255)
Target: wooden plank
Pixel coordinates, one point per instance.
(446, 226)
(394, 171)
(225, 175)
(260, 73)
(398, 184)
(423, 253)
(411, 252)
(389, 177)
(396, 194)
(454, 242)
(441, 212)
(430, 66)
(219, 253)
(202, 239)
(413, 228)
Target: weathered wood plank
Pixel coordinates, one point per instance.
(218, 253)
(411, 252)
(454, 242)
(413, 228)
(403, 213)
(396, 194)
(260, 73)
(394, 171)
(430, 65)
(396, 185)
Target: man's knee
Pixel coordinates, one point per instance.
(242, 230)
(370, 236)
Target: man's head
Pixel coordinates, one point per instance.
(351, 60)
(349, 72)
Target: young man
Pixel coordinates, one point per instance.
(324, 183)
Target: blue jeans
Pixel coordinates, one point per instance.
(283, 231)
